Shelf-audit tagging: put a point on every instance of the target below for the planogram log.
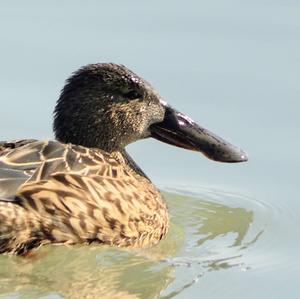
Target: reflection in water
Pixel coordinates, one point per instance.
(222, 220)
(216, 236)
(205, 236)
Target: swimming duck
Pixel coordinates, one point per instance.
(83, 187)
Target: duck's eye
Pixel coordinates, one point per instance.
(132, 94)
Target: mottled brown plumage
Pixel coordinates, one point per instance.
(69, 193)
(83, 187)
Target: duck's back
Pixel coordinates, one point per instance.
(27, 161)
(55, 192)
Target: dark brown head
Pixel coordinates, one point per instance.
(108, 106)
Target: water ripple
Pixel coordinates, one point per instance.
(225, 230)
(212, 232)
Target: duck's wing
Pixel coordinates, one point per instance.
(33, 161)
(12, 175)
(75, 194)
(8, 145)
(21, 160)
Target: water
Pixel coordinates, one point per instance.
(209, 240)
(232, 66)
(207, 237)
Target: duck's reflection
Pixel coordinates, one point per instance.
(221, 220)
(198, 228)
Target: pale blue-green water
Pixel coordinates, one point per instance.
(234, 67)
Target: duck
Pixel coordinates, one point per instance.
(82, 187)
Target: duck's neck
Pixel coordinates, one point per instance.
(124, 158)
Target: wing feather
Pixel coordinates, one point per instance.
(28, 161)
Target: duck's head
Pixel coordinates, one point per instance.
(108, 106)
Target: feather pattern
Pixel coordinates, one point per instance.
(52, 192)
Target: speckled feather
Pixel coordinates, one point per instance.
(65, 193)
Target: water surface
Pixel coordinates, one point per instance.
(209, 233)
(214, 235)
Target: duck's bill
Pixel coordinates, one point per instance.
(179, 130)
